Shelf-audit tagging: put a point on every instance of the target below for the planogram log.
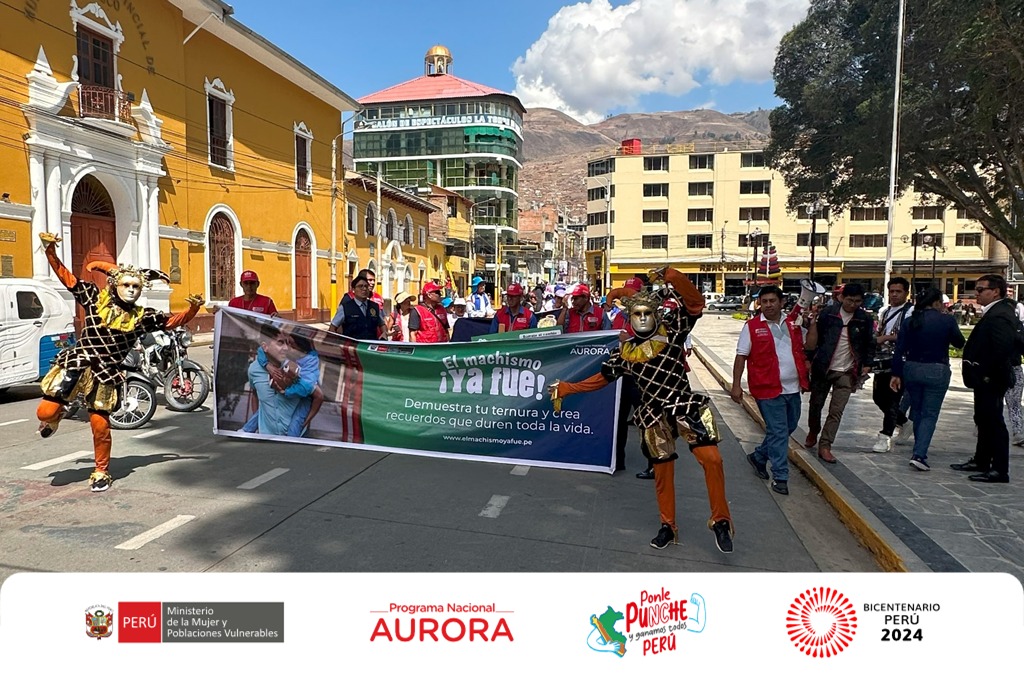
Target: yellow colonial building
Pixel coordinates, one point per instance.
(710, 208)
(399, 231)
(166, 134)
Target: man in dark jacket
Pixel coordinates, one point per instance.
(989, 357)
(843, 343)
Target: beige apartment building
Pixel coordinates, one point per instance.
(710, 208)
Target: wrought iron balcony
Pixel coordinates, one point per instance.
(105, 103)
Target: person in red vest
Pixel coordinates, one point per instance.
(428, 323)
(513, 316)
(583, 314)
(774, 347)
(250, 300)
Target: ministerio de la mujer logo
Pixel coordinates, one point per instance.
(821, 622)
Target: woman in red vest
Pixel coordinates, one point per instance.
(774, 347)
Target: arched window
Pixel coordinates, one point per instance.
(409, 230)
(400, 231)
(389, 228)
(370, 220)
(222, 258)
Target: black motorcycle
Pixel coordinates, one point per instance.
(136, 401)
(164, 361)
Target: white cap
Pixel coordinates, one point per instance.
(458, 301)
(559, 293)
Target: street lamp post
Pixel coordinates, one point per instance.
(930, 241)
(497, 244)
(815, 207)
(334, 212)
(606, 276)
(334, 221)
(752, 235)
(913, 270)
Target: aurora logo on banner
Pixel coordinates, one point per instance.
(281, 380)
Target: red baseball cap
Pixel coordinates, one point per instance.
(634, 283)
(514, 289)
(581, 290)
(431, 287)
(249, 276)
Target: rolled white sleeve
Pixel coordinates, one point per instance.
(743, 344)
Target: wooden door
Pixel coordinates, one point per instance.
(93, 238)
(303, 276)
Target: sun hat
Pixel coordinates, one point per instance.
(402, 296)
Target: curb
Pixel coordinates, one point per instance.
(890, 553)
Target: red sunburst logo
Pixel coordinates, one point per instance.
(821, 622)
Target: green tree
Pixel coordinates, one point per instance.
(961, 131)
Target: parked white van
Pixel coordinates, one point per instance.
(35, 323)
(710, 296)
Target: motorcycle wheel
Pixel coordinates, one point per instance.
(137, 406)
(189, 392)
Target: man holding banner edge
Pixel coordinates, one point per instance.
(656, 357)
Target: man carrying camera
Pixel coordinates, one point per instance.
(891, 318)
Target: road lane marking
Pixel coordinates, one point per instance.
(494, 506)
(154, 533)
(58, 461)
(154, 433)
(520, 470)
(265, 477)
(19, 420)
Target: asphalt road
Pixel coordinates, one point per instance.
(187, 500)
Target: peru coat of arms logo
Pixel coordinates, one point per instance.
(99, 621)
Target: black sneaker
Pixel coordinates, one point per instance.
(919, 463)
(646, 474)
(760, 469)
(723, 535)
(665, 536)
(780, 487)
(100, 481)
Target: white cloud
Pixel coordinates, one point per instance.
(593, 58)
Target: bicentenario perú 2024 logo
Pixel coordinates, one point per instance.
(821, 622)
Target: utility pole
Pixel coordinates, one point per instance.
(815, 206)
(334, 224)
(605, 278)
(380, 233)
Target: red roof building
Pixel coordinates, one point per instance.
(439, 129)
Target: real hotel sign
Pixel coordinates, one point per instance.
(444, 121)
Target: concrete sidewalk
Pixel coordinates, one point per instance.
(911, 520)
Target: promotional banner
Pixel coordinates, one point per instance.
(485, 401)
(799, 624)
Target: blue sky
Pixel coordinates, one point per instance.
(588, 59)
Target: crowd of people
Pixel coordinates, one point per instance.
(830, 351)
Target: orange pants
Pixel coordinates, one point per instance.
(714, 478)
(50, 411)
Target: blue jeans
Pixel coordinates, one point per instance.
(926, 384)
(781, 415)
